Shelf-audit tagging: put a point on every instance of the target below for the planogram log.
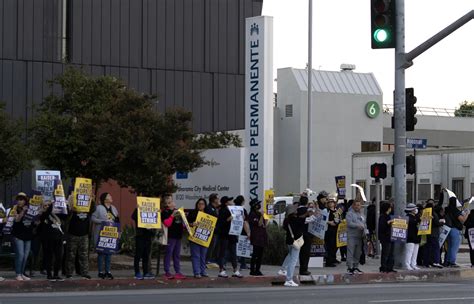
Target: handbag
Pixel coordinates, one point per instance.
(163, 238)
(296, 243)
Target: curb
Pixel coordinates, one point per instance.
(11, 286)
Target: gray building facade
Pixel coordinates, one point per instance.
(188, 52)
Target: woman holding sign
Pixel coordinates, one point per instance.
(198, 252)
(258, 236)
(104, 213)
(23, 234)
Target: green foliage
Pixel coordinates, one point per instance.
(127, 240)
(216, 141)
(466, 109)
(14, 154)
(276, 251)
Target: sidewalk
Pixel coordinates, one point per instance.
(122, 268)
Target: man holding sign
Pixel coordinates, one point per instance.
(147, 218)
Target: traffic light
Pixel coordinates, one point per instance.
(378, 170)
(410, 100)
(383, 24)
(411, 164)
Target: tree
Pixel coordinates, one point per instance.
(100, 129)
(14, 154)
(466, 109)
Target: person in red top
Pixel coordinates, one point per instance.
(173, 221)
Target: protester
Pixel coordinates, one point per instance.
(198, 252)
(372, 237)
(330, 237)
(469, 223)
(143, 242)
(172, 219)
(227, 242)
(454, 219)
(259, 237)
(356, 234)
(52, 236)
(213, 209)
(240, 201)
(305, 250)
(342, 210)
(413, 239)
(105, 212)
(78, 245)
(432, 250)
(385, 232)
(23, 234)
(322, 199)
(295, 227)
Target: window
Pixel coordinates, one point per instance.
(388, 192)
(424, 192)
(289, 110)
(458, 188)
(472, 189)
(410, 191)
(372, 192)
(437, 193)
(370, 146)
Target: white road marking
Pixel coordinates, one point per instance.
(422, 300)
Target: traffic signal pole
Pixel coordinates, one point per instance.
(400, 111)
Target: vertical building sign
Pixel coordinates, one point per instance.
(258, 106)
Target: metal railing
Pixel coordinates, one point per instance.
(430, 111)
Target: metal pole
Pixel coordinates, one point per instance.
(310, 89)
(415, 183)
(400, 111)
(377, 215)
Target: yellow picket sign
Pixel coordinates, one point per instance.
(184, 219)
(148, 212)
(82, 195)
(341, 239)
(426, 222)
(268, 204)
(203, 231)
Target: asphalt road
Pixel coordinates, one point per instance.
(460, 292)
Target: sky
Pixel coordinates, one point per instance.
(442, 77)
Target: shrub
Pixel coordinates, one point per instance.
(276, 250)
(127, 240)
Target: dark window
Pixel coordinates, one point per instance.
(437, 192)
(370, 146)
(388, 192)
(458, 188)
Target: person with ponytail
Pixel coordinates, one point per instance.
(105, 212)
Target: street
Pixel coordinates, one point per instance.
(456, 292)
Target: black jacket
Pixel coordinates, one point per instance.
(385, 229)
(223, 225)
(469, 223)
(142, 232)
(297, 227)
(413, 237)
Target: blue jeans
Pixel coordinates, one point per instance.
(100, 261)
(22, 250)
(290, 262)
(198, 258)
(454, 241)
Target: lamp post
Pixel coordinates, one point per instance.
(310, 89)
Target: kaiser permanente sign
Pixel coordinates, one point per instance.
(258, 106)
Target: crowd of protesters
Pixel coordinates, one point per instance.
(64, 239)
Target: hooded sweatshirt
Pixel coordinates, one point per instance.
(354, 222)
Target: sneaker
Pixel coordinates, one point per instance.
(19, 278)
(138, 276)
(454, 265)
(253, 273)
(149, 276)
(258, 273)
(101, 275)
(415, 267)
(290, 284)
(68, 276)
(109, 276)
(197, 276)
(237, 274)
(350, 271)
(179, 276)
(305, 273)
(437, 265)
(281, 272)
(58, 279)
(357, 271)
(51, 278)
(204, 275)
(169, 276)
(222, 274)
(25, 278)
(2, 279)
(86, 276)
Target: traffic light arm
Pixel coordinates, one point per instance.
(436, 38)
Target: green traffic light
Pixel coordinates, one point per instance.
(381, 35)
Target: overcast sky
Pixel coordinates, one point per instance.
(442, 77)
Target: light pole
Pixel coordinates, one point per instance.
(310, 89)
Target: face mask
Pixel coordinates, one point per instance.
(416, 211)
